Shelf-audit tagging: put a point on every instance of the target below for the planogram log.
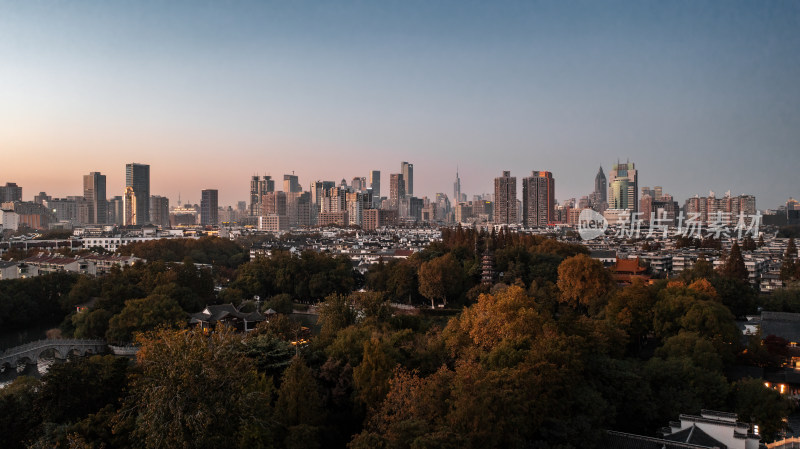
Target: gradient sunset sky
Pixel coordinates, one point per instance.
(700, 95)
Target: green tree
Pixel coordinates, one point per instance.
(335, 314)
(734, 267)
(19, 421)
(789, 263)
(760, 405)
(71, 391)
(191, 390)
(440, 279)
(91, 324)
(140, 315)
(299, 407)
(372, 375)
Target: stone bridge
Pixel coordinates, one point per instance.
(32, 352)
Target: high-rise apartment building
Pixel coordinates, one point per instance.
(159, 211)
(397, 189)
(129, 205)
(10, 193)
(505, 199)
(255, 197)
(538, 199)
(137, 176)
(209, 207)
(94, 194)
(273, 203)
(258, 187)
(408, 177)
(624, 187)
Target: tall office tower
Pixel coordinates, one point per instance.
(94, 193)
(624, 187)
(505, 199)
(457, 189)
(408, 177)
(538, 199)
(10, 192)
(375, 183)
(397, 189)
(159, 211)
(291, 184)
(138, 177)
(209, 207)
(357, 184)
(116, 210)
(129, 207)
(600, 186)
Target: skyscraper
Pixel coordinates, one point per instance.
(600, 186)
(624, 187)
(258, 187)
(397, 189)
(129, 207)
(291, 184)
(375, 184)
(137, 176)
(457, 189)
(505, 197)
(538, 199)
(94, 193)
(159, 210)
(209, 207)
(255, 198)
(10, 192)
(408, 177)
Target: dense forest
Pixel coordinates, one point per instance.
(549, 356)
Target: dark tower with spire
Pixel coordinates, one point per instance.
(600, 184)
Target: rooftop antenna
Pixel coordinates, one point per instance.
(179, 199)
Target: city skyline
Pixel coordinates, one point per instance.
(187, 197)
(700, 96)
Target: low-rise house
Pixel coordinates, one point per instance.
(103, 263)
(8, 270)
(49, 263)
(710, 430)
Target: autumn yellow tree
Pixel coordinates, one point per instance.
(584, 283)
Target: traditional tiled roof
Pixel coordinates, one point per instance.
(695, 435)
(628, 266)
(46, 259)
(781, 324)
(214, 313)
(620, 440)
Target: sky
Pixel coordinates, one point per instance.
(700, 95)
